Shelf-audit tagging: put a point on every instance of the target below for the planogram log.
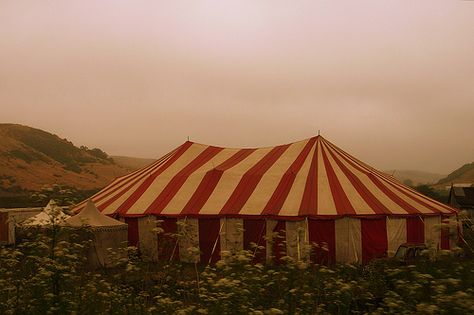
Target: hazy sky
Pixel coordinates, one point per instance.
(391, 82)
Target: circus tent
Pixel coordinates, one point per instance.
(312, 192)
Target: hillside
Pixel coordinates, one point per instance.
(464, 174)
(132, 163)
(415, 178)
(31, 158)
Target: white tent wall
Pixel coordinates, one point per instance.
(109, 244)
(148, 237)
(348, 240)
(10, 218)
(454, 229)
(396, 234)
(349, 246)
(270, 235)
(433, 231)
(297, 239)
(231, 235)
(188, 231)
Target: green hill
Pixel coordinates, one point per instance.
(32, 158)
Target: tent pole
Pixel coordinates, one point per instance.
(298, 245)
(215, 243)
(261, 234)
(176, 244)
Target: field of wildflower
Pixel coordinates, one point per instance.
(48, 274)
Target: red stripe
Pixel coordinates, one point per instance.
(309, 203)
(179, 179)
(135, 175)
(208, 238)
(144, 186)
(133, 237)
(114, 186)
(210, 181)
(374, 239)
(4, 227)
(322, 234)
(403, 189)
(122, 192)
(134, 180)
(415, 230)
(395, 198)
(280, 194)
(444, 233)
(254, 232)
(342, 203)
(250, 180)
(168, 248)
(363, 191)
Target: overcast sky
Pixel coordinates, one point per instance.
(391, 82)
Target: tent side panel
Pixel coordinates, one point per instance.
(168, 248)
(432, 231)
(147, 237)
(209, 240)
(445, 234)
(415, 230)
(108, 246)
(3, 227)
(374, 239)
(276, 238)
(396, 234)
(296, 239)
(348, 240)
(133, 236)
(231, 237)
(188, 240)
(322, 238)
(254, 232)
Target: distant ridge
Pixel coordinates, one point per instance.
(462, 175)
(31, 158)
(415, 178)
(132, 163)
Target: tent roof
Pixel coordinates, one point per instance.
(51, 213)
(92, 217)
(309, 178)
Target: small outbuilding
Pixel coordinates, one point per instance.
(52, 214)
(462, 197)
(109, 235)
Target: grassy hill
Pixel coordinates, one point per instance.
(31, 159)
(464, 174)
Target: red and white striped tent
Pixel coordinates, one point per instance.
(311, 189)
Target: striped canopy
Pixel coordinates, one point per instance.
(309, 178)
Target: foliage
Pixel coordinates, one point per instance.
(15, 197)
(63, 195)
(47, 274)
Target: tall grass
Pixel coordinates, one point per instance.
(48, 274)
